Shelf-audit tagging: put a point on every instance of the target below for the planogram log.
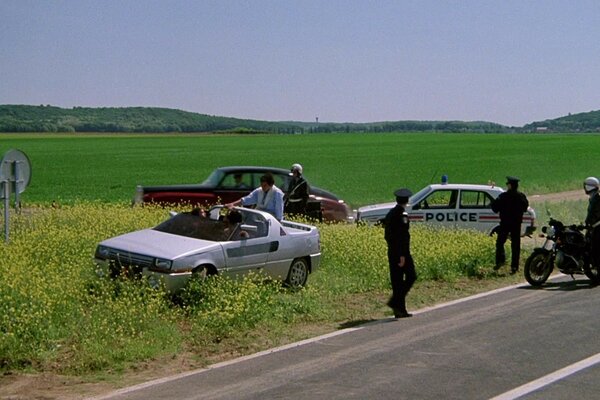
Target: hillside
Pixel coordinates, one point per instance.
(582, 122)
(25, 118)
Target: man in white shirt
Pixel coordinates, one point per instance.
(267, 197)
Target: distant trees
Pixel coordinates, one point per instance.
(46, 118)
(20, 118)
(409, 126)
(582, 122)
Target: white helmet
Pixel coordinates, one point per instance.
(590, 184)
(297, 167)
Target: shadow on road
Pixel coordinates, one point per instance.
(353, 324)
(575, 284)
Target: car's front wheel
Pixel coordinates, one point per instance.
(201, 272)
(298, 273)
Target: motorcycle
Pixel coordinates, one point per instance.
(566, 248)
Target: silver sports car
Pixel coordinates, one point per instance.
(219, 241)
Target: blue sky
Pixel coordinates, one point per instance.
(510, 62)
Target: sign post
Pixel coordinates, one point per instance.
(15, 173)
(6, 194)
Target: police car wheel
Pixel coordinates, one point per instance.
(495, 231)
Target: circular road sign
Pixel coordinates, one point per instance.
(15, 162)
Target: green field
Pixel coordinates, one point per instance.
(360, 168)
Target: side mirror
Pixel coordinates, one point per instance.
(249, 228)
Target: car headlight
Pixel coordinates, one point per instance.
(160, 263)
(102, 252)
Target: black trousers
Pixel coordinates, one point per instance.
(295, 207)
(515, 245)
(402, 279)
(596, 247)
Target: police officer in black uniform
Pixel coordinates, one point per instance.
(297, 195)
(510, 205)
(402, 268)
(591, 185)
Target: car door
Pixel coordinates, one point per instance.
(245, 254)
(438, 208)
(284, 248)
(475, 211)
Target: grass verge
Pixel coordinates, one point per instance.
(57, 318)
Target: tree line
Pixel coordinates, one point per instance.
(46, 118)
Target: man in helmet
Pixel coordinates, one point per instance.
(592, 220)
(510, 205)
(297, 195)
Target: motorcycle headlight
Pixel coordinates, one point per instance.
(550, 231)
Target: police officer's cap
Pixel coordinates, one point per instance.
(512, 179)
(402, 194)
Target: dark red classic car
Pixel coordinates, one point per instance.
(227, 184)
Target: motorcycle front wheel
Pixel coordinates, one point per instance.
(538, 267)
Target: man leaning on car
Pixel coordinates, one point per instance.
(267, 197)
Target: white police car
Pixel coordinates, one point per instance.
(450, 205)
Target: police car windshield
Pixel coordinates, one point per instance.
(415, 198)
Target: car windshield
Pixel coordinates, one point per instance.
(214, 178)
(415, 198)
(197, 227)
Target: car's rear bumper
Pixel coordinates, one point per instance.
(315, 262)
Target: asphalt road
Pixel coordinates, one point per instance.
(536, 343)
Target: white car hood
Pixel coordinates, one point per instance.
(159, 244)
(374, 208)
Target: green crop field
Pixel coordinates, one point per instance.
(360, 168)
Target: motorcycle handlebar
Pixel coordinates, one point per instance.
(579, 227)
